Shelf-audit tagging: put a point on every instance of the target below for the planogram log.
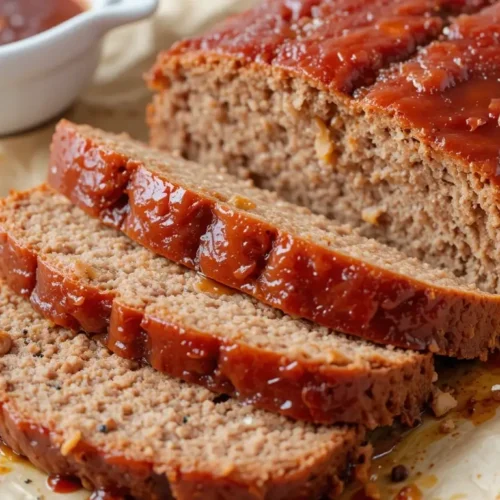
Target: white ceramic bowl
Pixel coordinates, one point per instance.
(42, 75)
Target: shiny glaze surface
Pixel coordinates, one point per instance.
(21, 19)
(298, 388)
(449, 95)
(337, 44)
(287, 272)
(63, 484)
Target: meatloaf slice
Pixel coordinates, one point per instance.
(84, 275)
(413, 163)
(454, 152)
(73, 408)
(283, 255)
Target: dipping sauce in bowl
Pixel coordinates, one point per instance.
(21, 19)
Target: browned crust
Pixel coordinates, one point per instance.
(369, 395)
(95, 467)
(339, 54)
(287, 272)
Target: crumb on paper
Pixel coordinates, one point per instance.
(442, 402)
(447, 426)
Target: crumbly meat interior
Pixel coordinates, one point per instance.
(91, 253)
(312, 151)
(210, 181)
(72, 385)
(313, 148)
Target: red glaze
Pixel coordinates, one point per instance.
(63, 484)
(449, 95)
(292, 274)
(297, 388)
(21, 19)
(17, 265)
(337, 44)
(77, 306)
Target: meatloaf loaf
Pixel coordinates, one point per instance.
(73, 408)
(293, 95)
(282, 254)
(83, 275)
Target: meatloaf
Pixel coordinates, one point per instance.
(85, 276)
(247, 238)
(73, 408)
(307, 99)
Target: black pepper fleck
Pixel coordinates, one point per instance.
(103, 428)
(399, 474)
(25, 332)
(185, 420)
(28, 481)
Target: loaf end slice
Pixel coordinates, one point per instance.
(86, 276)
(249, 239)
(410, 158)
(71, 407)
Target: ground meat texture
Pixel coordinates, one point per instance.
(86, 276)
(223, 451)
(406, 152)
(249, 239)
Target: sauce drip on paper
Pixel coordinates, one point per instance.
(63, 484)
(471, 384)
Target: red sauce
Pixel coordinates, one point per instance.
(448, 95)
(63, 484)
(338, 44)
(21, 19)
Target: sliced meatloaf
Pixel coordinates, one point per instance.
(73, 408)
(412, 159)
(282, 254)
(83, 275)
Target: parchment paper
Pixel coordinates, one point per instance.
(463, 465)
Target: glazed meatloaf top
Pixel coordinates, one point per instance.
(339, 45)
(449, 96)
(282, 254)
(84, 275)
(74, 408)
(412, 160)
